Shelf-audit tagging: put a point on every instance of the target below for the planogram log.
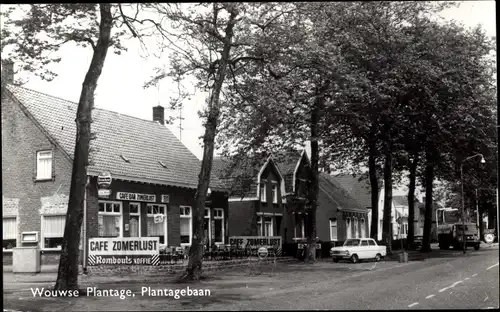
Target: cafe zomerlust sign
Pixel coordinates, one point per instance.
(136, 197)
(124, 251)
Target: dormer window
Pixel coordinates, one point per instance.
(263, 192)
(125, 158)
(275, 192)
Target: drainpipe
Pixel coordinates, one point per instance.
(84, 265)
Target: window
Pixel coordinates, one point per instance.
(275, 193)
(363, 228)
(135, 220)
(355, 227)
(44, 165)
(333, 229)
(265, 225)
(9, 233)
(348, 227)
(207, 227)
(219, 225)
(299, 230)
(263, 192)
(364, 243)
(186, 225)
(371, 242)
(157, 221)
(53, 231)
(110, 219)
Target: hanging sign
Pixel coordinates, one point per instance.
(104, 180)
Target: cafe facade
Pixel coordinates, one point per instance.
(141, 179)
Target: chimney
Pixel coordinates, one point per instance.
(8, 72)
(159, 114)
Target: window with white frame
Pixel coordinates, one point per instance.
(348, 228)
(333, 229)
(110, 219)
(355, 227)
(363, 228)
(186, 225)
(44, 165)
(9, 232)
(53, 231)
(275, 192)
(263, 192)
(157, 221)
(265, 225)
(135, 220)
(207, 226)
(219, 225)
(299, 230)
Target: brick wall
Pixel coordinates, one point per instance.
(242, 218)
(21, 139)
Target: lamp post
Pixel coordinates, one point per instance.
(463, 206)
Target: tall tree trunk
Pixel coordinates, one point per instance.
(67, 277)
(193, 270)
(429, 179)
(372, 171)
(313, 193)
(387, 224)
(411, 200)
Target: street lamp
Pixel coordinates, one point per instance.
(462, 185)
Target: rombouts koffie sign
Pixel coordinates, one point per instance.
(124, 251)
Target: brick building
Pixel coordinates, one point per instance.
(154, 176)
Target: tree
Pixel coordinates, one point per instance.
(32, 38)
(208, 40)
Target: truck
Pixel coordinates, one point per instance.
(450, 230)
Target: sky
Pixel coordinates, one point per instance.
(120, 87)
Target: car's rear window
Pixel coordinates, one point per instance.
(372, 243)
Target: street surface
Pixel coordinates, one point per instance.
(448, 280)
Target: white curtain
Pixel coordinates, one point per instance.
(108, 226)
(44, 168)
(9, 228)
(53, 226)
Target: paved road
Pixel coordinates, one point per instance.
(449, 280)
(463, 282)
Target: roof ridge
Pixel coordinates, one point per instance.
(75, 103)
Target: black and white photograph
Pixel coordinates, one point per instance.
(233, 156)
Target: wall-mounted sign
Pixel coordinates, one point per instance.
(124, 251)
(104, 193)
(255, 241)
(165, 198)
(29, 237)
(136, 197)
(104, 180)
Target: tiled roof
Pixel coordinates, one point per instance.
(357, 186)
(154, 154)
(239, 176)
(338, 194)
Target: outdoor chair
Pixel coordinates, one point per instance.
(179, 252)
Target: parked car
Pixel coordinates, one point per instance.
(356, 249)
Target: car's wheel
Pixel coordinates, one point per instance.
(378, 257)
(335, 260)
(476, 247)
(354, 258)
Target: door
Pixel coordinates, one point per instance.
(364, 250)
